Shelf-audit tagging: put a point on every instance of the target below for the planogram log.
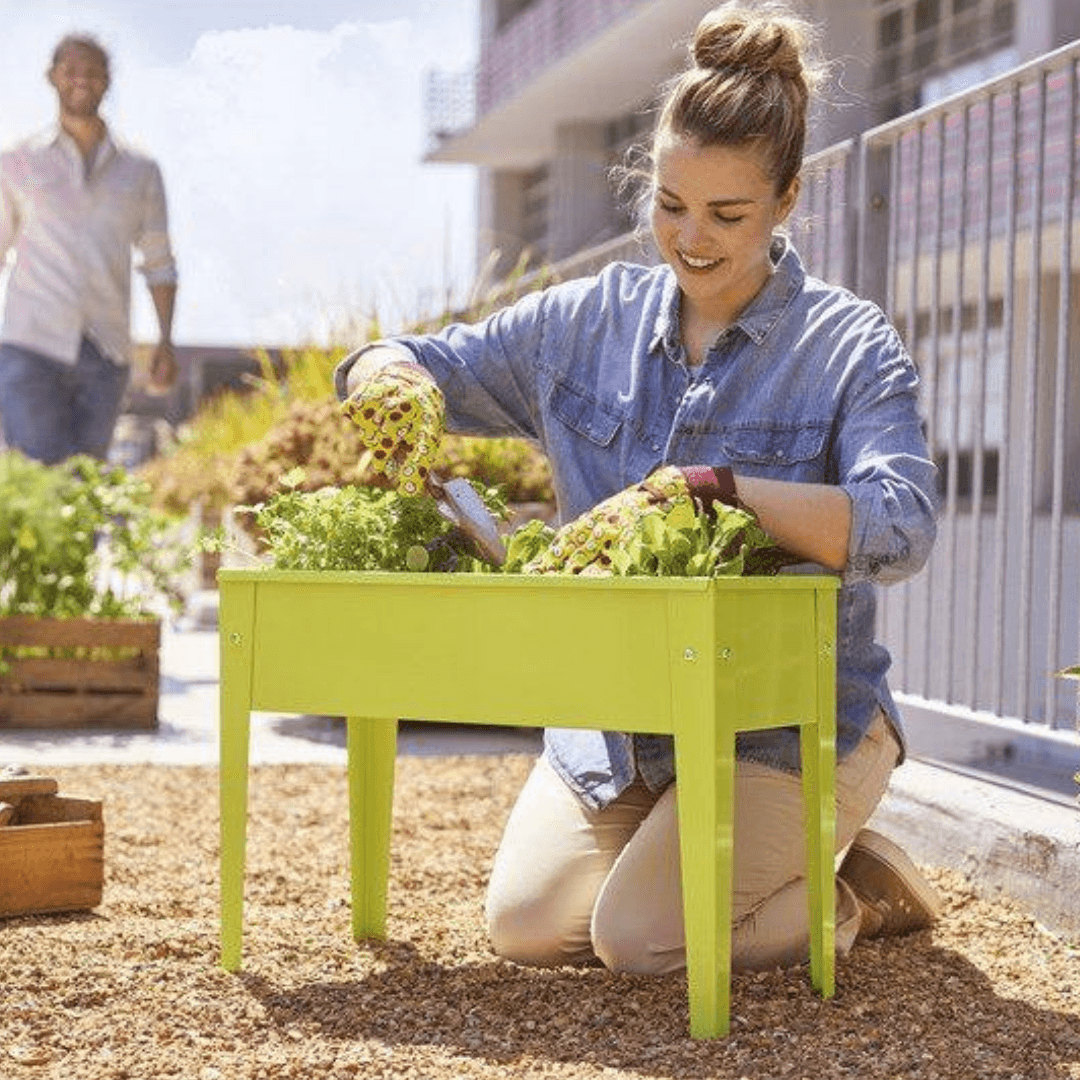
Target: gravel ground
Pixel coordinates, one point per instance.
(133, 989)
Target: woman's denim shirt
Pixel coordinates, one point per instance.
(811, 384)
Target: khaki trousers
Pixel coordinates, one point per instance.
(570, 884)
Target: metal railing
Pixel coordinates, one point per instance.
(961, 220)
(958, 220)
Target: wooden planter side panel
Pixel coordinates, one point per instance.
(113, 681)
(54, 860)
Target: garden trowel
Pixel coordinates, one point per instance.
(460, 504)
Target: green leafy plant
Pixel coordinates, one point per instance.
(683, 543)
(81, 539)
(675, 543)
(240, 443)
(361, 528)
(1073, 673)
(366, 528)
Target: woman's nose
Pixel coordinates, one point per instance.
(691, 233)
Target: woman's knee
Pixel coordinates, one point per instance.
(528, 934)
(621, 950)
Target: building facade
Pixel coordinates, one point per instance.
(563, 87)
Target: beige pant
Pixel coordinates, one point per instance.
(570, 883)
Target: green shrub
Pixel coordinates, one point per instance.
(81, 539)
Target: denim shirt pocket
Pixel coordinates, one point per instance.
(795, 451)
(582, 413)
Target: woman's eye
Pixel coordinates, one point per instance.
(669, 208)
(726, 219)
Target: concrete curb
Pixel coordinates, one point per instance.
(1004, 841)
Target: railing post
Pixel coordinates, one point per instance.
(872, 253)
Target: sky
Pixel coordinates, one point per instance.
(290, 136)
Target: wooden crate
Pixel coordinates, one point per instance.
(79, 673)
(51, 848)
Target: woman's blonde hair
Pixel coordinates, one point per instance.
(752, 73)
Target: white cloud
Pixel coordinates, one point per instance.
(292, 158)
(291, 162)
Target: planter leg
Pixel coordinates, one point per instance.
(706, 838)
(237, 651)
(372, 748)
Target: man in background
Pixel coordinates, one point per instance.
(74, 203)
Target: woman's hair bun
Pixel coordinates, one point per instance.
(760, 40)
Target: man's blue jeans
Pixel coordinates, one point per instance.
(51, 410)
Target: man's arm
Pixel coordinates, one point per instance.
(163, 363)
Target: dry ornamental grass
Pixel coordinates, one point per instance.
(133, 989)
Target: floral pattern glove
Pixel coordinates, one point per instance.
(584, 545)
(401, 415)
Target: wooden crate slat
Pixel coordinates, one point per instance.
(19, 787)
(97, 690)
(53, 867)
(135, 674)
(57, 710)
(52, 808)
(75, 633)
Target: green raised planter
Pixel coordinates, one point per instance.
(699, 658)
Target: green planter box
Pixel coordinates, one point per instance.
(699, 658)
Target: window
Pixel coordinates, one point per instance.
(921, 42)
(508, 10)
(534, 213)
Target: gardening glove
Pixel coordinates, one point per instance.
(584, 545)
(401, 415)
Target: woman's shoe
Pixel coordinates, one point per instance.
(893, 896)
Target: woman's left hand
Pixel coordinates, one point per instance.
(584, 545)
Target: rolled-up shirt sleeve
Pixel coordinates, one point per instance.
(887, 472)
(487, 369)
(156, 261)
(8, 217)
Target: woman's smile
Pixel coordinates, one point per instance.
(696, 264)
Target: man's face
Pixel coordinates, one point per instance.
(80, 78)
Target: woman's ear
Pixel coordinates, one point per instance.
(788, 200)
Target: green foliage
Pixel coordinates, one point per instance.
(513, 465)
(682, 543)
(80, 539)
(526, 543)
(238, 446)
(366, 528)
(360, 528)
(201, 464)
(673, 543)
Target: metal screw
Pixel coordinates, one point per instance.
(689, 654)
(724, 653)
(235, 638)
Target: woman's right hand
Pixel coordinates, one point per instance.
(401, 415)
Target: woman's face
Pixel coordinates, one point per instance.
(713, 215)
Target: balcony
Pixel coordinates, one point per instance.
(557, 62)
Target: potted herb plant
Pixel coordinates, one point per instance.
(86, 572)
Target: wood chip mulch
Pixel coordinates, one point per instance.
(133, 989)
